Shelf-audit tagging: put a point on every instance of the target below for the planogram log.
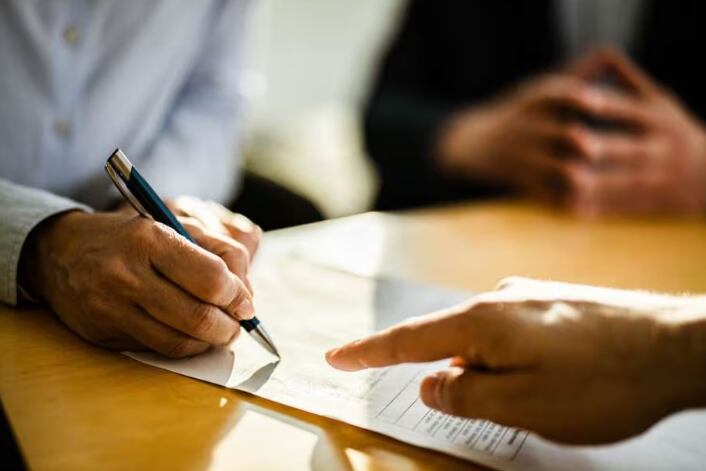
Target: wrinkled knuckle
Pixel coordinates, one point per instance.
(118, 278)
(203, 319)
(214, 293)
(113, 268)
(217, 290)
(220, 270)
(240, 253)
(399, 342)
(142, 230)
(143, 238)
(160, 233)
(239, 297)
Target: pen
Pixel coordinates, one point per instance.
(145, 200)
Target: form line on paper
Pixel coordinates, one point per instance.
(500, 439)
(420, 420)
(406, 409)
(394, 398)
(519, 447)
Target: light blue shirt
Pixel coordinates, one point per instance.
(157, 78)
(78, 78)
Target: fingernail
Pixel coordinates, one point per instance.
(330, 354)
(339, 360)
(246, 309)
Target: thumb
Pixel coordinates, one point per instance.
(453, 391)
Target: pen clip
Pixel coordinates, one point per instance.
(120, 185)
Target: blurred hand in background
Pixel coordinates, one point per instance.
(646, 155)
(655, 162)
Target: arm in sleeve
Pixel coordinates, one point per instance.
(406, 111)
(21, 210)
(196, 151)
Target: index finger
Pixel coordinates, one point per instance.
(244, 231)
(233, 253)
(627, 70)
(433, 337)
(239, 227)
(597, 101)
(218, 218)
(196, 270)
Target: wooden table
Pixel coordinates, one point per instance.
(77, 407)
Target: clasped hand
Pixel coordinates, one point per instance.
(647, 156)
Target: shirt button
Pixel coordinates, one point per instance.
(71, 35)
(62, 128)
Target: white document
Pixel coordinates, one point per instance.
(308, 309)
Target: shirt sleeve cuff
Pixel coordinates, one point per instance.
(16, 231)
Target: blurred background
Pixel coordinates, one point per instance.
(310, 67)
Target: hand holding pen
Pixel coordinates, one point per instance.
(125, 283)
(145, 200)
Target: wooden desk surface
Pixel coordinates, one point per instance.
(76, 407)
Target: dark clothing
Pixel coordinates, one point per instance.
(272, 206)
(10, 457)
(449, 55)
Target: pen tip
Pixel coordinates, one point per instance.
(274, 351)
(264, 339)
